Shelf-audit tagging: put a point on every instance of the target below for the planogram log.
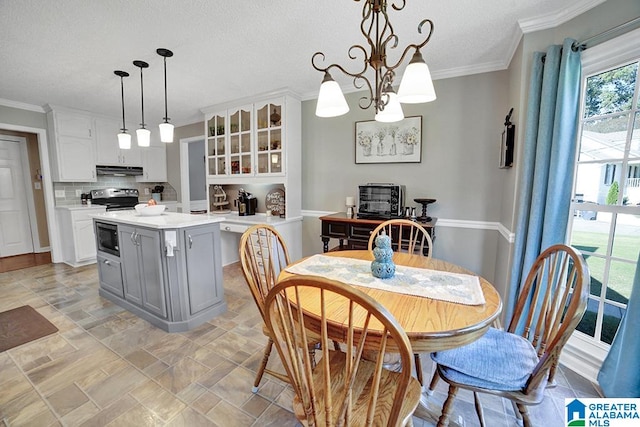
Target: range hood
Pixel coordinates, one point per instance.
(119, 170)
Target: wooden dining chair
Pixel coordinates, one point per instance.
(263, 254)
(406, 236)
(518, 363)
(343, 389)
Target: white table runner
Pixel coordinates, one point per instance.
(440, 285)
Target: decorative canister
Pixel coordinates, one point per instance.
(383, 266)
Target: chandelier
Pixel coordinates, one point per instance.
(416, 85)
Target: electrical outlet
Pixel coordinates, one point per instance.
(146, 191)
(59, 194)
(37, 186)
(78, 192)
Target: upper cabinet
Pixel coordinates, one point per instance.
(72, 145)
(252, 140)
(154, 159)
(107, 150)
(257, 141)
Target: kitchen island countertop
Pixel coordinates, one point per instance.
(166, 220)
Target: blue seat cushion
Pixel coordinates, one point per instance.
(499, 360)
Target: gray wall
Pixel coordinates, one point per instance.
(460, 156)
(173, 153)
(197, 173)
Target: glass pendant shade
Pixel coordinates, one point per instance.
(124, 141)
(144, 137)
(416, 85)
(392, 111)
(331, 101)
(166, 132)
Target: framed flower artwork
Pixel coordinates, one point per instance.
(399, 142)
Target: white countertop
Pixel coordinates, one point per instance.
(259, 218)
(166, 220)
(82, 207)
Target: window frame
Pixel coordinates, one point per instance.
(583, 351)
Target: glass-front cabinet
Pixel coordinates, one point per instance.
(240, 146)
(216, 145)
(269, 135)
(246, 141)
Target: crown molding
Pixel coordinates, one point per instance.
(552, 20)
(21, 105)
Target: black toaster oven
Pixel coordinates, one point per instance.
(383, 201)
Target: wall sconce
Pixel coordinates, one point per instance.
(124, 138)
(166, 128)
(143, 134)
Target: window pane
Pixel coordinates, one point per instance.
(588, 323)
(620, 281)
(604, 139)
(610, 322)
(611, 91)
(626, 240)
(634, 152)
(596, 270)
(591, 236)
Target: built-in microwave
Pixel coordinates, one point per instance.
(380, 200)
(107, 238)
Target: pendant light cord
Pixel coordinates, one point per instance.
(124, 128)
(142, 97)
(166, 114)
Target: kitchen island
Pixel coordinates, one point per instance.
(166, 269)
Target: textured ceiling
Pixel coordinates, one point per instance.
(64, 52)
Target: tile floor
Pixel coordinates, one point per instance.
(108, 367)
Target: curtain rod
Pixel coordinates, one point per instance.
(606, 35)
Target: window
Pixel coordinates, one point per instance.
(605, 226)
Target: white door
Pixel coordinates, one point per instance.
(15, 230)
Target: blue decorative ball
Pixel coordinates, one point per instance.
(383, 270)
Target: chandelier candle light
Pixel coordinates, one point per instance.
(416, 85)
(124, 138)
(143, 134)
(166, 128)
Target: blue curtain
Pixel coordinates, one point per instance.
(619, 375)
(549, 149)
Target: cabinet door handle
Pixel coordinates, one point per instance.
(106, 261)
(133, 238)
(190, 241)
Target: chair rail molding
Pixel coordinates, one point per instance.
(444, 222)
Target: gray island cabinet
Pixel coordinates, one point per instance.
(166, 269)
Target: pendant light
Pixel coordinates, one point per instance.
(143, 134)
(124, 138)
(166, 128)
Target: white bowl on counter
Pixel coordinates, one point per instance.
(149, 210)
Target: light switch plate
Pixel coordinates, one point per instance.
(37, 186)
(146, 191)
(78, 192)
(59, 194)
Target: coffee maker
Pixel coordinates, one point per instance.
(247, 203)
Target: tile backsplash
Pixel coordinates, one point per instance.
(69, 188)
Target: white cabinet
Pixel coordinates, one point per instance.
(79, 242)
(154, 160)
(73, 146)
(257, 141)
(107, 150)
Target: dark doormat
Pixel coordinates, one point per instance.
(21, 325)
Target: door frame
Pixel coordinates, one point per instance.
(26, 181)
(184, 170)
(47, 186)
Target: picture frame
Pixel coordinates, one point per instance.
(398, 142)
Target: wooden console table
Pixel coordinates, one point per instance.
(353, 233)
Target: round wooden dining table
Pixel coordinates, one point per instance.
(430, 324)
